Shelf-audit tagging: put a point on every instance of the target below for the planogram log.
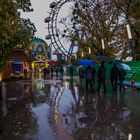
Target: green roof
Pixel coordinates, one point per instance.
(38, 40)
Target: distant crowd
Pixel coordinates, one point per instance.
(87, 75)
(116, 76)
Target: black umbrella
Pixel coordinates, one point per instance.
(103, 58)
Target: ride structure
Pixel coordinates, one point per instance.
(41, 54)
(53, 32)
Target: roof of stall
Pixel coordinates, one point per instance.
(38, 40)
(18, 54)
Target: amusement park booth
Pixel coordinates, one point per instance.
(41, 54)
(16, 64)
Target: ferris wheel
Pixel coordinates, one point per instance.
(53, 33)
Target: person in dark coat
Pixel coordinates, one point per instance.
(51, 69)
(71, 71)
(122, 74)
(89, 74)
(47, 70)
(44, 73)
(101, 77)
(61, 71)
(114, 76)
(81, 74)
(56, 71)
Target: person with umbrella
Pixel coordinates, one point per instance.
(81, 74)
(114, 75)
(101, 77)
(89, 76)
(122, 74)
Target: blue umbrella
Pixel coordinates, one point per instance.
(124, 66)
(86, 62)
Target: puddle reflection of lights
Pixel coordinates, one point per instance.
(57, 102)
(129, 136)
(40, 84)
(58, 97)
(66, 84)
(0, 77)
(4, 103)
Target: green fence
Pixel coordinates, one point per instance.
(134, 73)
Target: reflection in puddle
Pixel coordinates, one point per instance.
(4, 99)
(60, 110)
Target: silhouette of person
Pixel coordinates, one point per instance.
(114, 76)
(122, 74)
(89, 77)
(71, 72)
(61, 72)
(101, 77)
(81, 74)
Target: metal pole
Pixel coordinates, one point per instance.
(103, 46)
(131, 42)
(132, 46)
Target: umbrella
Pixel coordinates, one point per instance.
(124, 66)
(86, 62)
(103, 58)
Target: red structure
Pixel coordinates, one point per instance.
(52, 62)
(18, 61)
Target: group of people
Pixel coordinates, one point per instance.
(47, 72)
(117, 76)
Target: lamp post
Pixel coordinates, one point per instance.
(82, 54)
(75, 56)
(131, 41)
(89, 50)
(103, 46)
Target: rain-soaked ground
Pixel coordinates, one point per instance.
(58, 109)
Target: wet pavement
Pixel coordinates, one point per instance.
(58, 109)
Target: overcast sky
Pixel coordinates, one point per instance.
(41, 8)
(41, 11)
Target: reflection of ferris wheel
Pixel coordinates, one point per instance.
(54, 34)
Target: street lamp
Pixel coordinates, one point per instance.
(131, 41)
(75, 56)
(89, 50)
(66, 58)
(103, 46)
(82, 54)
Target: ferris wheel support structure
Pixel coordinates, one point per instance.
(52, 25)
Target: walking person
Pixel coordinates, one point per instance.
(114, 76)
(101, 77)
(56, 71)
(51, 69)
(71, 72)
(44, 73)
(81, 74)
(47, 71)
(93, 74)
(122, 74)
(89, 77)
(61, 72)
(25, 73)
